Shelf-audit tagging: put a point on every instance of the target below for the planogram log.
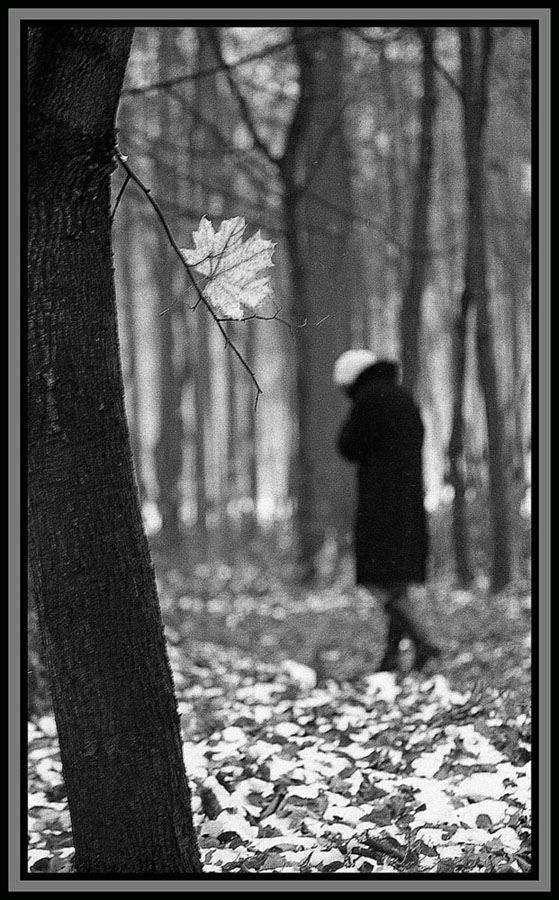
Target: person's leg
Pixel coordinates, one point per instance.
(389, 662)
(403, 614)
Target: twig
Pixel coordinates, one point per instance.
(438, 66)
(239, 96)
(275, 317)
(378, 42)
(201, 298)
(163, 312)
(120, 196)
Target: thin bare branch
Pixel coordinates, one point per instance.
(274, 317)
(201, 298)
(213, 70)
(447, 77)
(201, 73)
(429, 50)
(239, 97)
(141, 145)
(120, 196)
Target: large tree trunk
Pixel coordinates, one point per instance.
(318, 210)
(475, 46)
(92, 575)
(410, 322)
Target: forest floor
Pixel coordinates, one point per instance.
(302, 758)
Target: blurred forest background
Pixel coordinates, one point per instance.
(349, 148)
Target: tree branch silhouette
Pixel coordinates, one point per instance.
(213, 35)
(213, 70)
(201, 298)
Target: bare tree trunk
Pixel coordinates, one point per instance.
(229, 490)
(410, 321)
(169, 448)
(510, 250)
(92, 576)
(252, 433)
(456, 450)
(395, 170)
(456, 456)
(201, 404)
(317, 202)
(518, 377)
(206, 153)
(475, 46)
(307, 539)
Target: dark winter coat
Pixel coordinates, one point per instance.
(384, 435)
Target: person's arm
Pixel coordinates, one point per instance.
(356, 436)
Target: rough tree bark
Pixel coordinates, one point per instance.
(92, 576)
(410, 319)
(475, 50)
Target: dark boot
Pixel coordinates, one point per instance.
(424, 653)
(402, 611)
(389, 662)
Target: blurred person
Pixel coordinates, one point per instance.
(383, 435)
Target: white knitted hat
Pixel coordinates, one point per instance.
(350, 364)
